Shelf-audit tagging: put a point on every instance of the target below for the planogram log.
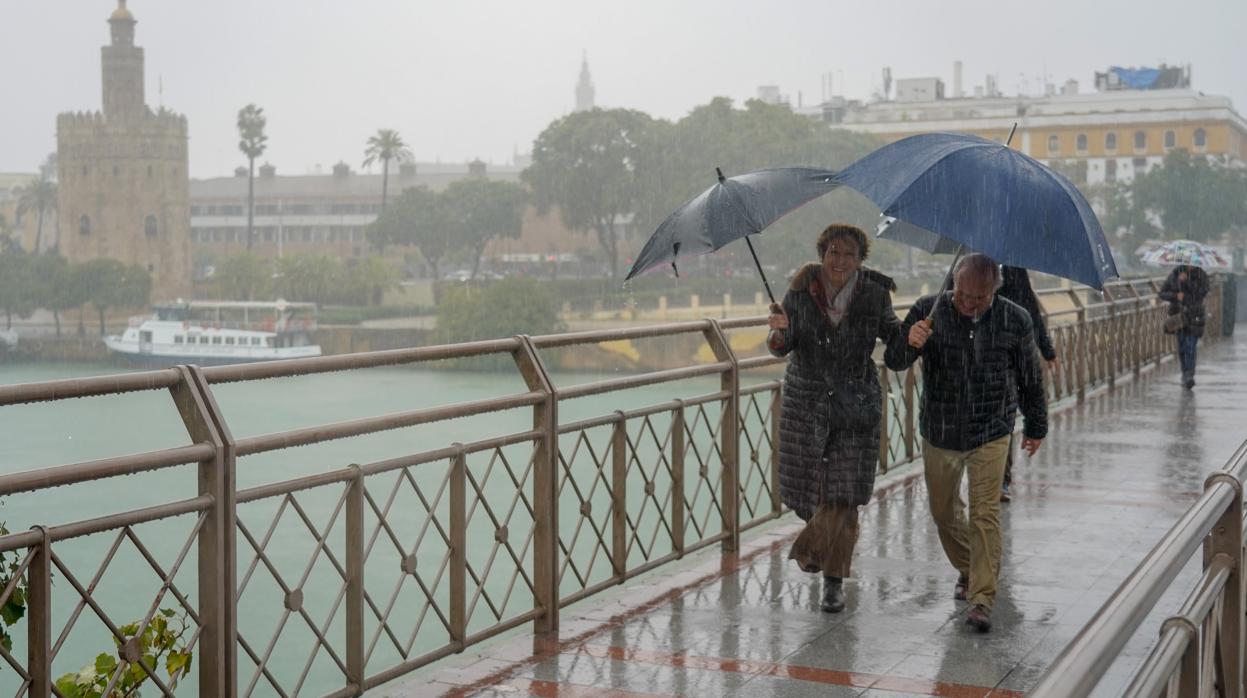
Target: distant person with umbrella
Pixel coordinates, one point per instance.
(832, 314)
(978, 366)
(1184, 290)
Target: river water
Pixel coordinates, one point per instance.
(287, 530)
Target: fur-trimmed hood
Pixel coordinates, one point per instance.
(801, 280)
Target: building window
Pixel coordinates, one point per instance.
(1054, 143)
(149, 226)
(1171, 139)
(1081, 142)
(1140, 140)
(1110, 170)
(1110, 141)
(1201, 138)
(84, 226)
(1140, 165)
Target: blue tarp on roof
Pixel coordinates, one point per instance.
(1136, 78)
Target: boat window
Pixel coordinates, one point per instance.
(177, 339)
(268, 341)
(229, 340)
(255, 341)
(216, 339)
(203, 340)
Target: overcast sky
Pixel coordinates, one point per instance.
(465, 78)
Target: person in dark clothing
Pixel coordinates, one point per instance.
(978, 367)
(1184, 290)
(832, 402)
(1015, 285)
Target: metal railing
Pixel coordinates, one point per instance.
(416, 557)
(1200, 651)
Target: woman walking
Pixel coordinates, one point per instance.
(832, 404)
(1185, 290)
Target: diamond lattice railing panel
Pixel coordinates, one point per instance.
(648, 448)
(292, 583)
(106, 581)
(499, 535)
(703, 472)
(757, 447)
(406, 563)
(585, 508)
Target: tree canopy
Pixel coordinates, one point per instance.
(479, 210)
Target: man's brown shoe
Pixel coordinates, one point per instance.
(959, 590)
(980, 618)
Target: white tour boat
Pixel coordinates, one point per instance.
(218, 332)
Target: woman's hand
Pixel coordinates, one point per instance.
(778, 319)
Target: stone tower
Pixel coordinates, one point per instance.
(123, 182)
(584, 86)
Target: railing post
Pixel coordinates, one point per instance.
(39, 617)
(884, 444)
(459, 547)
(1137, 330)
(677, 478)
(1162, 341)
(218, 610)
(619, 496)
(777, 398)
(911, 420)
(1227, 539)
(1082, 367)
(729, 434)
(355, 580)
(545, 488)
(1112, 354)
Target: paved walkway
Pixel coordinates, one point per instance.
(1112, 477)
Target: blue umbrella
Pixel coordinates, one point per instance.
(735, 208)
(988, 198)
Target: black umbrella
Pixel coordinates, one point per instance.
(736, 207)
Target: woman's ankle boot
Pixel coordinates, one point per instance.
(833, 594)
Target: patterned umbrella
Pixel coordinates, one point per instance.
(1186, 253)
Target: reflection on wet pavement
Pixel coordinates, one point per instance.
(1111, 478)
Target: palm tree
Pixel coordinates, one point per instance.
(38, 196)
(251, 142)
(385, 146)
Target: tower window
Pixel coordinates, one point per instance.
(84, 170)
(149, 170)
(1110, 141)
(84, 225)
(149, 226)
(116, 170)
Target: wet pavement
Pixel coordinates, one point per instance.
(1114, 474)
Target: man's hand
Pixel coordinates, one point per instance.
(778, 319)
(920, 333)
(1031, 445)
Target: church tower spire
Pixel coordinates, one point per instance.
(584, 86)
(122, 65)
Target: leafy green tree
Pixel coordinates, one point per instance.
(1195, 197)
(387, 145)
(418, 217)
(504, 309)
(308, 277)
(17, 294)
(243, 276)
(252, 142)
(38, 197)
(56, 285)
(365, 281)
(594, 166)
(109, 283)
(480, 210)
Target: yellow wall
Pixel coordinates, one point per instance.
(1218, 140)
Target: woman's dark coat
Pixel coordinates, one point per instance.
(827, 443)
(1194, 289)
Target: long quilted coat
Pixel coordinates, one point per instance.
(826, 453)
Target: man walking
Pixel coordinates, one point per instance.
(978, 366)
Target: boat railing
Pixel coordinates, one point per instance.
(391, 563)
